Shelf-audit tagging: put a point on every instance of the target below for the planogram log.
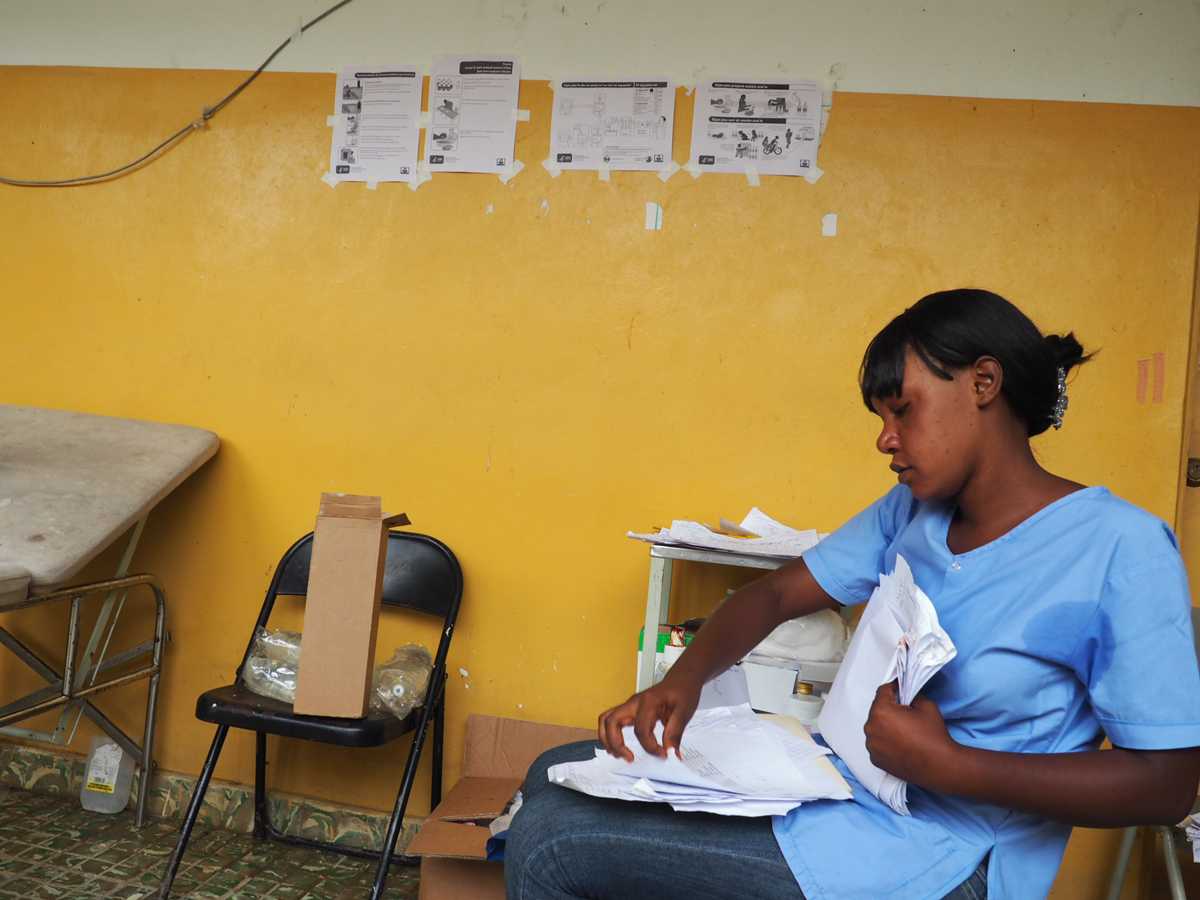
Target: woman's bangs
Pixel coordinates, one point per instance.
(882, 371)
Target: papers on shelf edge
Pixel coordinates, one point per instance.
(774, 538)
(897, 639)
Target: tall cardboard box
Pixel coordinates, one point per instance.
(452, 843)
(341, 611)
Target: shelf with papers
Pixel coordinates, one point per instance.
(658, 594)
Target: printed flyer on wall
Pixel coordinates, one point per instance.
(472, 114)
(773, 127)
(614, 124)
(375, 124)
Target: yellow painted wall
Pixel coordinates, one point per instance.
(528, 383)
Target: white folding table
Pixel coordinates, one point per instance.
(71, 484)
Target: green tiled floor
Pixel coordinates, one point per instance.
(50, 847)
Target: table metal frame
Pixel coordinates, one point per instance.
(80, 678)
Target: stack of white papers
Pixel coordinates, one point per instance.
(897, 639)
(731, 763)
(761, 536)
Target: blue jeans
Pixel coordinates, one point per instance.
(563, 844)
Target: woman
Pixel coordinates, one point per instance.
(1070, 612)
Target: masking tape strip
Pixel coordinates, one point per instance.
(603, 172)
(813, 175)
(372, 185)
(299, 32)
(752, 176)
(521, 115)
(506, 177)
(423, 120)
(331, 121)
(330, 179)
(423, 175)
(693, 169)
(654, 214)
(829, 225)
(551, 166)
(688, 89)
(665, 175)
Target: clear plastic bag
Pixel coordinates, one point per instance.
(279, 645)
(270, 678)
(399, 684)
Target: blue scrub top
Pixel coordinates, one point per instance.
(1074, 625)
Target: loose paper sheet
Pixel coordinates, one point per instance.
(625, 125)
(375, 127)
(760, 535)
(767, 128)
(472, 114)
(732, 763)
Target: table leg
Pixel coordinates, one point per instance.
(658, 604)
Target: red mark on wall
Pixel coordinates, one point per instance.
(1152, 378)
(1160, 376)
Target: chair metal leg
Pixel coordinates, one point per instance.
(1174, 876)
(397, 820)
(260, 785)
(189, 821)
(1117, 882)
(439, 728)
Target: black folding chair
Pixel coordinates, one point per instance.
(421, 574)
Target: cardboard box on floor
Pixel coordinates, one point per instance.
(453, 840)
(341, 610)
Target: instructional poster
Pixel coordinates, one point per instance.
(375, 125)
(771, 127)
(616, 124)
(472, 115)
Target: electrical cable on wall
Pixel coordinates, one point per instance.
(206, 114)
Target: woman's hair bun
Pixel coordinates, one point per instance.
(1067, 351)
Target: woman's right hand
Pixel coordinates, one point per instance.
(671, 701)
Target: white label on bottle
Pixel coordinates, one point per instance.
(102, 773)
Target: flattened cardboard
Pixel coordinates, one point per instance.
(506, 748)
(341, 611)
(453, 839)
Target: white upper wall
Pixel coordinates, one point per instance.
(1098, 50)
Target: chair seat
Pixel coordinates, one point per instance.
(240, 708)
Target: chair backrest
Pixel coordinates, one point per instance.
(420, 573)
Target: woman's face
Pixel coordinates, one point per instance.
(931, 431)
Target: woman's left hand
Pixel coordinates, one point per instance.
(910, 742)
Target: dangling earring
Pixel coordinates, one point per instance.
(1060, 403)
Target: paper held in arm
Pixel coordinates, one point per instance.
(897, 639)
(757, 535)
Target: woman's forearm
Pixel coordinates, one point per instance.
(1100, 789)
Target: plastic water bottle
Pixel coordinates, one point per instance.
(107, 778)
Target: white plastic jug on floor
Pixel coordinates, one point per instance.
(107, 778)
